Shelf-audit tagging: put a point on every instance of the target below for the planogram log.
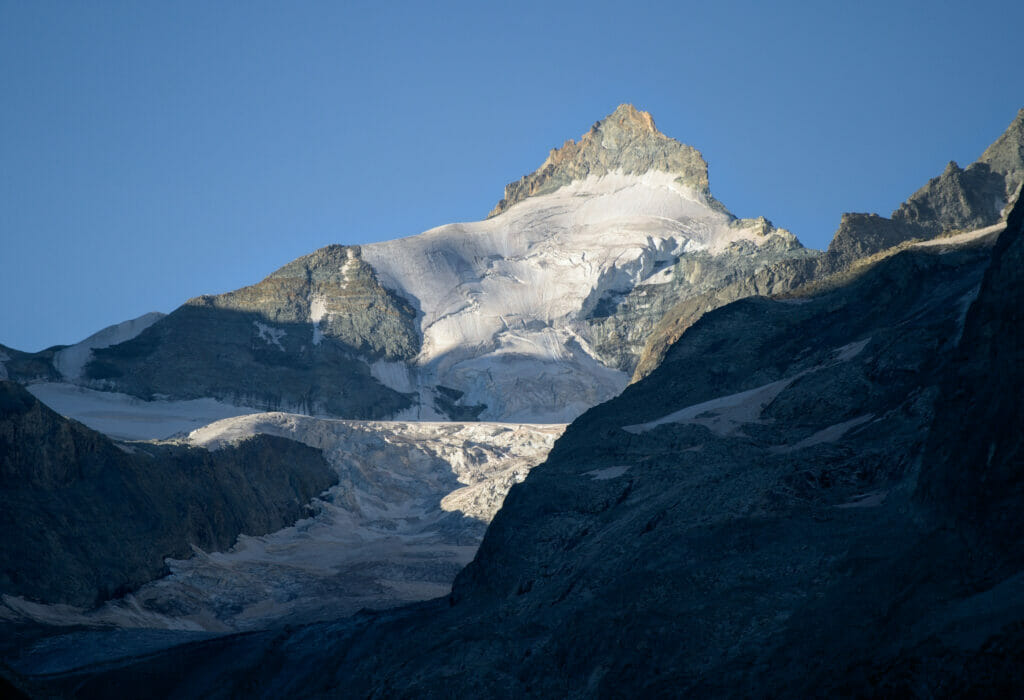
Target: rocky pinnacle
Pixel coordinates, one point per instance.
(625, 141)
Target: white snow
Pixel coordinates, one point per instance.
(271, 335)
(407, 515)
(317, 312)
(72, 360)
(503, 300)
(128, 418)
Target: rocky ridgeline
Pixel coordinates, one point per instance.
(958, 199)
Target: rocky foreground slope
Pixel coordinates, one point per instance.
(86, 519)
(816, 495)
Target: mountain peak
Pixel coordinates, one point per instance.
(625, 141)
(628, 117)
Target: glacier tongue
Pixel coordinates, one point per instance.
(408, 513)
(502, 301)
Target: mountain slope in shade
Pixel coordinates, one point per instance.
(752, 518)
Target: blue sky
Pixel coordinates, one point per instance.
(154, 151)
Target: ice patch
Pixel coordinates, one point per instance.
(724, 415)
(829, 434)
(872, 499)
(607, 473)
(126, 417)
(848, 352)
(963, 306)
(394, 375)
(72, 360)
(271, 335)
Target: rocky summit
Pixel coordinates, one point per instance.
(784, 474)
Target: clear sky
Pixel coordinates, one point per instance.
(154, 151)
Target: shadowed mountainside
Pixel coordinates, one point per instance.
(85, 518)
(754, 517)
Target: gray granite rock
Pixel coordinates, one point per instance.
(958, 199)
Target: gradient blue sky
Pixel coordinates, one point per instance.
(154, 151)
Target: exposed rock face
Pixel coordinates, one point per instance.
(21, 366)
(973, 471)
(625, 141)
(957, 199)
(752, 518)
(301, 339)
(85, 519)
(768, 274)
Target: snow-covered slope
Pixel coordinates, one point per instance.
(503, 301)
(408, 512)
(124, 417)
(71, 360)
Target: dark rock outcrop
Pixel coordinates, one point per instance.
(766, 273)
(85, 518)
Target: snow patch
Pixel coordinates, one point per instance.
(394, 375)
(872, 499)
(317, 312)
(962, 238)
(850, 351)
(126, 417)
(724, 415)
(829, 434)
(607, 473)
(271, 335)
